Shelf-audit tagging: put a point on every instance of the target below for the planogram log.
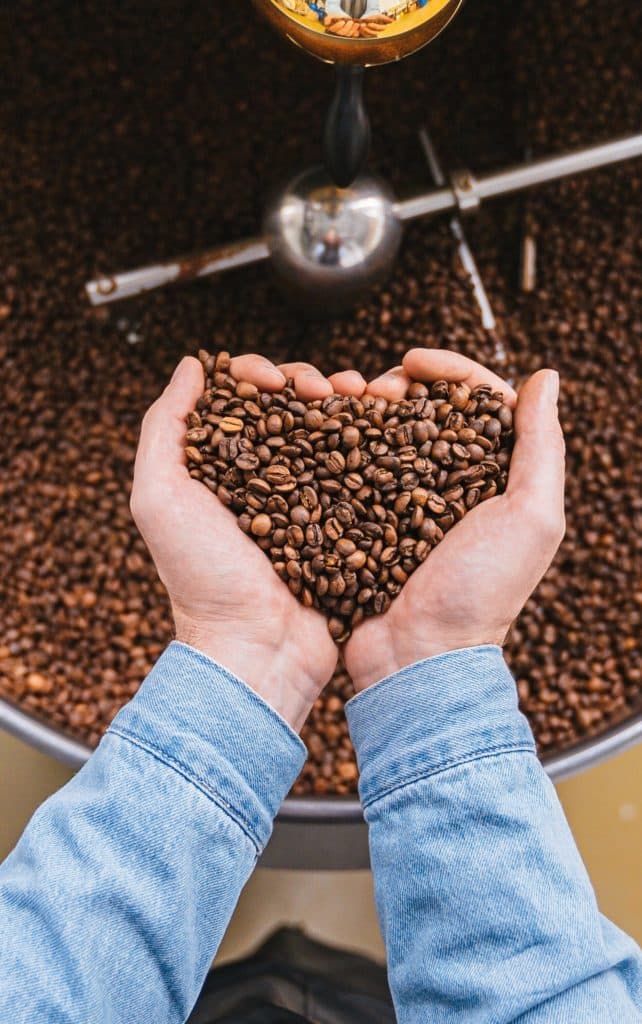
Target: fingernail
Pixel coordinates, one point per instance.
(553, 385)
(275, 373)
(313, 373)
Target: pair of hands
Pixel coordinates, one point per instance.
(355, 28)
(228, 602)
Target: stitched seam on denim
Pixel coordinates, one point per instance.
(475, 755)
(189, 776)
(250, 693)
(425, 665)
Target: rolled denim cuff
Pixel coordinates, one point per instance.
(203, 722)
(433, 715)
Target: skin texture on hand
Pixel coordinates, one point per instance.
(226, 599)
(477, 580)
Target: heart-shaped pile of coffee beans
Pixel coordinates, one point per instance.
(347, 496)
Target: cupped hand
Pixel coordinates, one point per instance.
(476, 581)
(226, 599)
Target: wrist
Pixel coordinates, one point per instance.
(379, 649)
(272, 671)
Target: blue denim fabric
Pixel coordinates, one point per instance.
(487, 912)
(119, 892)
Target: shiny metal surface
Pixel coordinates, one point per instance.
(186, 268)
(363, 32)
(312, 223)
(523, 176)
(329, 833)
(328, 245)
(466, 257)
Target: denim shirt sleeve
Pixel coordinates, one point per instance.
(486, 909)
(117, 896)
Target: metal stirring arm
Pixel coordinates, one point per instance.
(466, 257)
(464, 194)
(469, 192)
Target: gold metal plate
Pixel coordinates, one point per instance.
(362, 32)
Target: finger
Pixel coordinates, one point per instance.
(162, 437)
(309, 383)
(348, 382)
(392, 385)
(259, 371)
(430, 364)
(536, 474)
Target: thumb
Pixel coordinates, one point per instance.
(537, 467)
(162, 437)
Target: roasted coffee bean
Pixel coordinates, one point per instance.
(441, 451)
(261, 525)
(295, 536)
(274, 424)
(193, 455)
(357, 560)
(300, 515)
(246, 390)
(350, 437)
(345, 547)
(197, 435)
(247, 462)
(335, 462)
(313, 419)
(231, 425)
(314, 535)
(381, 603)
(330, 426)
(333, 529)
(277, 474)
(436, 504)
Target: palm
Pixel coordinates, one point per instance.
(464, 573)
(213, 563)
(476, 581)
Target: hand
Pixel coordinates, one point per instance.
(226, 598)
(365, 28)
(476, 581)
(337, 26)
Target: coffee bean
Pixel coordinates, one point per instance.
(295, 536)
(382, 603)
(330, 426)
(345, 547)
(314, 535)
(274, 424)
(246, 390)
(492, 429)
(313, 419)
(259, 487)
(277, 474)
(350, 437)
(336, 462)
(300, 515)
(231, 425)
(247, 462)
(197, 435)
(261, 525)
(194, 455)
(441, 452)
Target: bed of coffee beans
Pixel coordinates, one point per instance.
(347, 496)
(126, 139)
